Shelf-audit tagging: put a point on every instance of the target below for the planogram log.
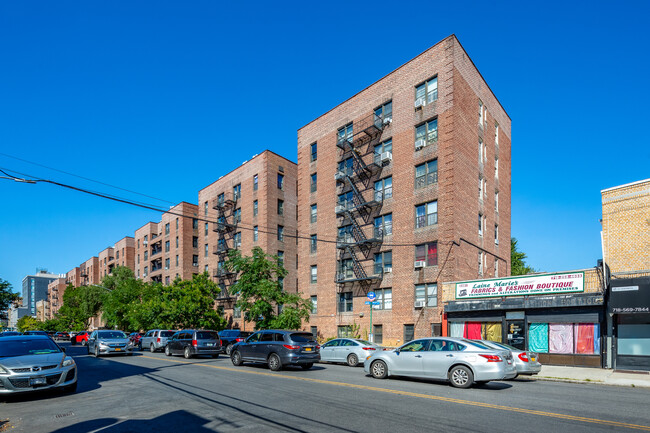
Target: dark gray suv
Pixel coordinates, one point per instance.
(277, 348)
(192, 342)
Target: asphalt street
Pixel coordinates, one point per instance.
(152, 392)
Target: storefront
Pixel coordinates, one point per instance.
(629, 305)
(558, 316)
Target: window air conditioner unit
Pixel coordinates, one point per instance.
(166, 267)
(419, 144)
(388, 269)
(196, 265)
(419, 264)
(339, 175)
(339, 208)
(386, 157)
(419, 304)
(145, 243)
(388, 120)
(420, 102)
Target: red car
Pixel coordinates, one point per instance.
(135, 339)
(81, 337)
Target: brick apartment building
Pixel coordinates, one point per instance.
(387, 186)
(90, 271)
(121, 254)
(170, 248)
(253, 205)
(56, 289)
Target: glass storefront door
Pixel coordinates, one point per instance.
(516, 334)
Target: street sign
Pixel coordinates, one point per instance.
(373, 302)
(372, 296)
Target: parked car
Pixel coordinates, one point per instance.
(460, 361)
(526, 362)
(156, 339)
(34, 362)
(193, 342)
(348, 350)
(135, 338)
(81, 338)
(231, 336)
(62, 336)
(9, 333)
(106, 342)
(277, 348)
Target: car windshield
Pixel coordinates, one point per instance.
(365, 343)
(302, 338)
(111, 334)
(27, 347)
(206, 335)
(166, 333)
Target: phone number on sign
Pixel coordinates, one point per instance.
(631, 310)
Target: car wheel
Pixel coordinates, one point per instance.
(186, 353)
(275, 363)
(84, 342)
(306, 366)
(461, 377)
(235, 357)
(353, 360)
(152, 349)
(229, 349)
(96, 351)
(70, 388)
(167, 351)
(379, 370)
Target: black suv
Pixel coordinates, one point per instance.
(231, 336)
(192, 342)
(277, 348)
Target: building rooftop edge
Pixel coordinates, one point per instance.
(624, 186)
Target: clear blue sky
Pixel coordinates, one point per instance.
(163, 97)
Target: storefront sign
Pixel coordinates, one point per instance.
(548, 284)
(630, 295)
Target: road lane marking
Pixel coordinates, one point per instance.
(417, 395)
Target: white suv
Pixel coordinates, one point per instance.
(156, 339)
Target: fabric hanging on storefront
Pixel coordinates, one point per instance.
(472, 330)
(584, 341)
(596, 338)
(538, 337)
(492, 332)
(456, 329)
(560, 338)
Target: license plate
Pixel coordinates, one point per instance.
(307, 349)
(37, 381)
(532, 359)
(209, 344)
(117, 349)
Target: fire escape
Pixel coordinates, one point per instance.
(358, 204)
(226, 228)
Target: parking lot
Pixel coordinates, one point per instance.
(152, 392)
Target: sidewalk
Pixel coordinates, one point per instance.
(593, 375)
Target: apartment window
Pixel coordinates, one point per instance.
(195, 224)
(496, 167)
(205, 208)
(237, 216)
(314, 304)
(480, 224)
(237, 240)
(496, 234)
(428, 253)
(384, 148)
(426, 134)
(205, 230)
(176, 241)
(384, 114)
(281, 233)
(236, 313)
(255, 207)
(383, 262)
(166, 246)
(384, 225)
(409, 333)
(480, 151)
(377, 334)
(344, 331)
(427, 293)
(221, 199)
(195, 260)
(280, 181)
(346, 269)
(205, 269)
(345, 200)
(137, 259)
(117, 255)
(167, 263)
(480, 188)
(384, 189)
(146, 257)
(314, 274)
(385, 299)
(427, 91)
(426, 174)
(236, 192)
(280, 207)
(195, 241)
(436, 329)
(496, 201)
(255, 182)
(344, 134)
(255, 233)
(314, 182)
(496, 134)
(221, 245)
(345, 302)
(146, 271)
(176, 260)
(426, 214)
(481, 258)
(314, 152)
(176, 223)
(138, 273)
(281, 257)
(138, 243)
(481, 115)
(313, 213)
(146, 237)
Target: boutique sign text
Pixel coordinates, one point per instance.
(548, 284)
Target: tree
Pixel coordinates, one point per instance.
(28, 323)
(80, 304)
(517, 264)
(121, 292)
(7, 297)
(259, 290)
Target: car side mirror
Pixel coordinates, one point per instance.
(397, 351)
(63, 349)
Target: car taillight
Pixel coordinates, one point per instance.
(317, 347)
(491, 358)
(239, 340)
(220, 343)
(368, 348)
(291, 347)
(195, 343)
(158, 340)
(523, 356)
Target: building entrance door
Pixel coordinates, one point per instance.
(516, 334)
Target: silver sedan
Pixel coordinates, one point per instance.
(105, 342)
(348, 350)
(461, 362)
(526, 362)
